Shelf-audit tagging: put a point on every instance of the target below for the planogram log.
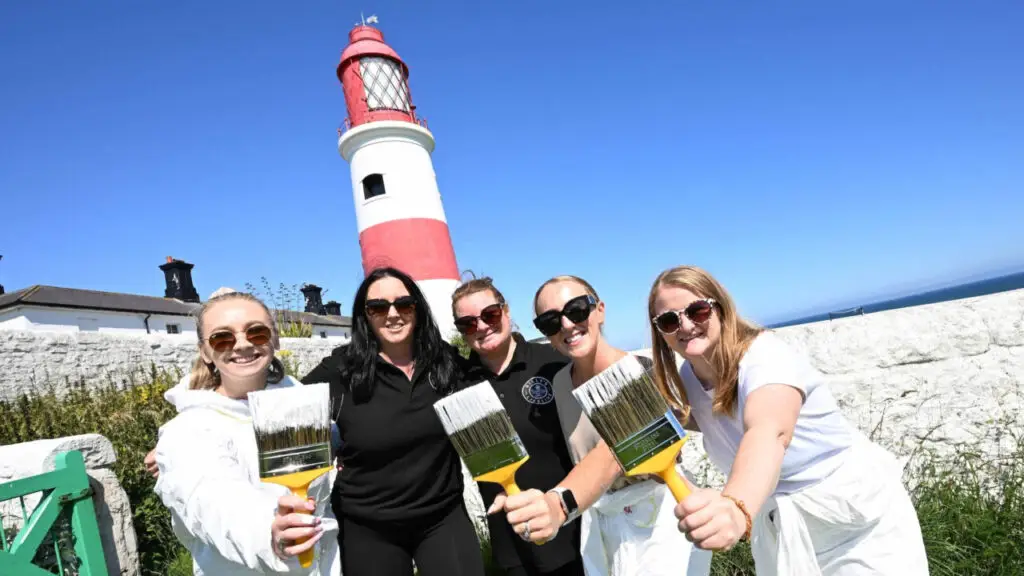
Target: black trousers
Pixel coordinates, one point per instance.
(444, 545)
(574, 568)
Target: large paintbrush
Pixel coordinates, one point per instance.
(482, 434)
(293, 436)
(632, 417)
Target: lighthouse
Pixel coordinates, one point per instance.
(399, 212)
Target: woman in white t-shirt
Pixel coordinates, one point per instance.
(810, 491)
(630, 529)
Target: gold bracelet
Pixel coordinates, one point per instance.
(743, 508)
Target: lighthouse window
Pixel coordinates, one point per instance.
(384, 84)
(373, 186)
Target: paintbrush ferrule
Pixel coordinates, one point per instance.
(649, 441)
(494, 457)
(298, 459)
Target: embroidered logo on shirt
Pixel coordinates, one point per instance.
(538, 390)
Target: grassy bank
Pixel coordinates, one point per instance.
(971, 508)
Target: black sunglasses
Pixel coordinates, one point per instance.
(491, 315)
(698, 311)
(576, 310)
(404, 305)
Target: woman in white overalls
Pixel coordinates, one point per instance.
(813, 494)
(630, 530)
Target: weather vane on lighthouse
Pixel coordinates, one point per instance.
(398, 206)
(371, 20)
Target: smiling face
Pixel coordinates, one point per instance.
(484, 305)
(391, 311)
(239, 340)
(574, 339)
(691, 339)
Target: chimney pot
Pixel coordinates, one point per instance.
(314, 302)
(332, 308)
(178, 280)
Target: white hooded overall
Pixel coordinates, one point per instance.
(209, 480)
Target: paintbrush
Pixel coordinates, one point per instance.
(482, 434)
(632, 417)
(293, 437)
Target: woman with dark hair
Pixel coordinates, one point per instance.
(398, 496)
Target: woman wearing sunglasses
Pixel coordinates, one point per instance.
(810, 491)
(399, 493)
(230, 521)
(628, 526)
(521, 373)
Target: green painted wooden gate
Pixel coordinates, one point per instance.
(66, 494)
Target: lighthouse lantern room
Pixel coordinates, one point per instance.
(398, 206)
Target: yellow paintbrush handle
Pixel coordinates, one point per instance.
(511, 488)
(305, 558)
(675, 483)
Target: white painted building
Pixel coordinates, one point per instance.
(69, 310)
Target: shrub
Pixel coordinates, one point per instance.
(126, 411)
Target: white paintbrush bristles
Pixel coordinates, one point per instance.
(621, 400)
(466, 407)
(291, 407)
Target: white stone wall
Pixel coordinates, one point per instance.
(32, 360)
(927, 378)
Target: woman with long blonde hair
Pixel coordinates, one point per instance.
(811, 492)
(208, 471)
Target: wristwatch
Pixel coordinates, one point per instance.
(568, 501)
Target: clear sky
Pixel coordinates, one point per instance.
(812, 155)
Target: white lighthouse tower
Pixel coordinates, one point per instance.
(398, 206)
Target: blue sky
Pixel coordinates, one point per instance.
(811, 155)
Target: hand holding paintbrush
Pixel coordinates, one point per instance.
(293, 437)
(630, 414)
(482, 433)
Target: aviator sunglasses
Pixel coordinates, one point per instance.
(404, 305)
(491, 315)
(576, 310)
(225, 340)
(698, 311)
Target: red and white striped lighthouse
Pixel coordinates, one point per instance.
(398, 206)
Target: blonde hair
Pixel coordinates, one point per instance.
(205, 376)
(565, 278)
(736, 336)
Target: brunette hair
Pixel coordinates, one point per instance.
(475, 285)
(737, 334)
(205, 376)
(429, 349)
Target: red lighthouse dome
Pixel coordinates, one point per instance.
(375, 79)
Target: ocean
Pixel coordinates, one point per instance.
(991, 285)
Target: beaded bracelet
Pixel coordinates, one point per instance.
(743, 508)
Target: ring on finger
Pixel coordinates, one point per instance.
(281, 545)
(526, 531)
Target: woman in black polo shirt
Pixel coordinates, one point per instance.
(521, 373)
(398, 497)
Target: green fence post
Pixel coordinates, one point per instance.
(88, 546)
(66, 486)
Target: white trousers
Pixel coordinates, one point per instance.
(633, 532)
(859, 521)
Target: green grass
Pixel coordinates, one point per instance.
(971, 508)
